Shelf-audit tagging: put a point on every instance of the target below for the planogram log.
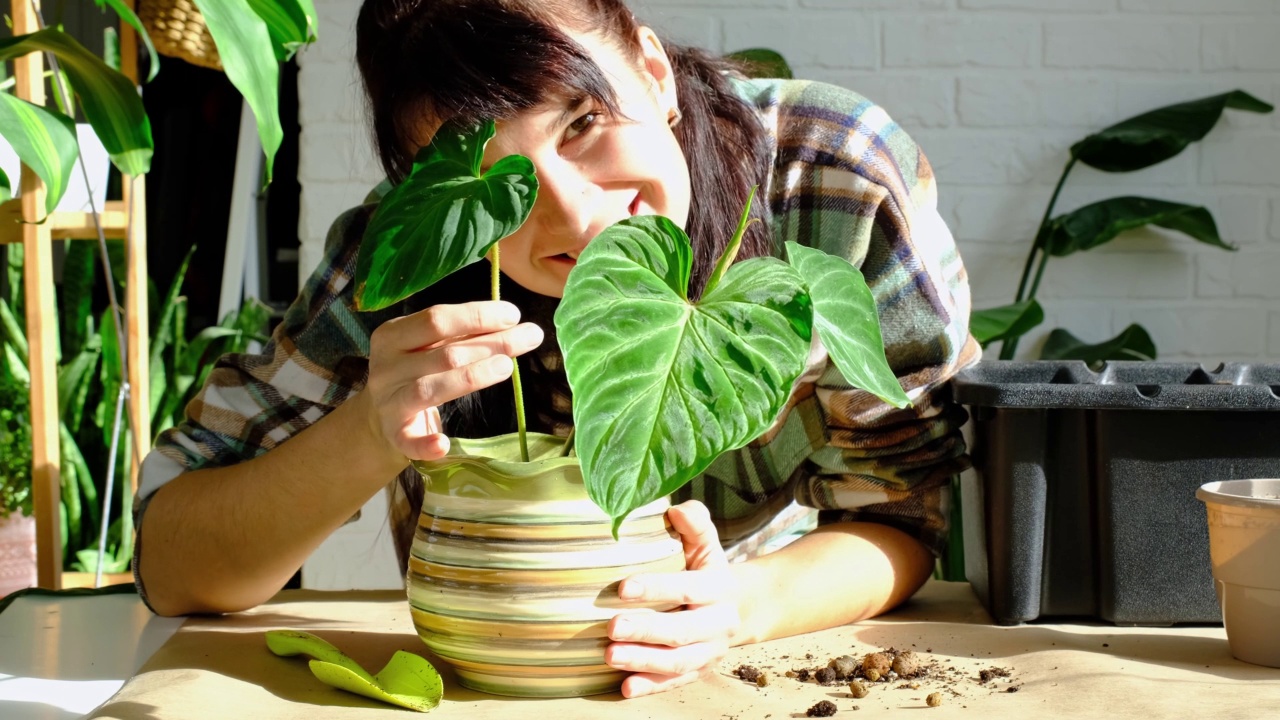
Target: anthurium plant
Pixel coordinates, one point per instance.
(663, 384)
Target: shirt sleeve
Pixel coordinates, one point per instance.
(854, 184)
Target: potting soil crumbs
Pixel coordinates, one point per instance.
(867, 674)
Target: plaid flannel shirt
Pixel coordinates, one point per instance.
(847, 180)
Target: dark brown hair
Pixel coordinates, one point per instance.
(426, 61)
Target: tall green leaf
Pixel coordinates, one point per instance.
(74, 380)
(662, 387)
(126, 14)
(11, 332)
(845, 316)
(110, 101)
(1005, 322)
(291, 24)
(245, 48)
(6, 190)
(1100, 222)
(763, 63)
(44, 140)
(443, 217)
(1156, 136)
(1132, 344)
(75, 296)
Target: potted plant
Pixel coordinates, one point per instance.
(711, 375)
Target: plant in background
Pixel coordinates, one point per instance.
(710, 376)
(1131, 145)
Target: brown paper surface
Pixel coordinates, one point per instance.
(220, 669)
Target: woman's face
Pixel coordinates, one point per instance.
(594, 170)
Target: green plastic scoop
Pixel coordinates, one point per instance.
(408, 680)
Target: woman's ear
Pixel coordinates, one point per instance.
(657, 66)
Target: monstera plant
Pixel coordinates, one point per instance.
(662, 383)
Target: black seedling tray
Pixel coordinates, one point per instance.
(1084, 498)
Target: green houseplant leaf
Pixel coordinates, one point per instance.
(446, 215)
(844, 314)
(290, 23)
(1007, 321)
(126, 14)
(763, 63)
(6, 191)
(408, 680)
(1132, 344)
(44, 140)
(245, 48)
(1156, 136)
(661, 386)
(109, 100)
(1100, 222)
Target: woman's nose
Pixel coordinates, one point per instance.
(567, 202)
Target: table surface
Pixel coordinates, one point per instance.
(74, 652)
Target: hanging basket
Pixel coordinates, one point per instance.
(177, 29)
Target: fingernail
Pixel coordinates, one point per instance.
(621, 629)
(631, 590)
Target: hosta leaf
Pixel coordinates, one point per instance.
(44, 140)
(1005, 322)
(763, 63)
(661, 386)
(443, 217)
(109, 100)
(1156, 136)
(245, 49)
(845, 316)
(1132, 344)
(1100, 222)
(126, 14)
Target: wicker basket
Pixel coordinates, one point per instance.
(177, 29)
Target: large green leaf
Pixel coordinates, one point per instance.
(408, 680)
(44, 140)
(446, 215)
(1156, 136)
(763, 63)
(6, 190)
(845, 316)
(126, 14)
(109, 100)
(1100, 222)
(662, 387)
(1132, 344)
(1005, 322)
(291, 24)
(245, 48)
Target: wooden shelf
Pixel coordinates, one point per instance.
(66, 225)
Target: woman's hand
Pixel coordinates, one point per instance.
(667, 650)
(421, 361)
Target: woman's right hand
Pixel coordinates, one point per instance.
(421, 361)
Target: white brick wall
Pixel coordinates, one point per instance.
(995, 91)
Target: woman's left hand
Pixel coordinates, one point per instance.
(667, 650)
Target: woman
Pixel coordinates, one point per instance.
(617, 124)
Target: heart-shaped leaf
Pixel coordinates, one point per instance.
(848, 324)
(44, 140)
(1101, 222)
(661, 386)
(1132, 344)
(408, 680)
(1005, 322)
(446, 215)
(109, 100)
(1156, 136)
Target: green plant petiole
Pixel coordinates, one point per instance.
(495, 277)
(731, 252)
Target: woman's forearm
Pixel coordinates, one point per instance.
(227, 539)
(837, 574)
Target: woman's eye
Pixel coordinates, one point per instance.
(581, 125)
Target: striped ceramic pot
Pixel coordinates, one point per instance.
(514, 574)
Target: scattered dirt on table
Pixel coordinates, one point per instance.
(933, 700)
(992, 673)
(858, 690)
(748, 672)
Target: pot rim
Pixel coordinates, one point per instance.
(472, 451)
(1259, 493)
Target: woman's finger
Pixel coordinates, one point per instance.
(691, 587)
(634, 657)
(434, 390)
(454, 354)
(701, 541)
(443, 322)
(675, 629)
(648, 683)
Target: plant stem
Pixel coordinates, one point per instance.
(568, 442)
(495, 276)
(1009, 347)
(731, 252)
